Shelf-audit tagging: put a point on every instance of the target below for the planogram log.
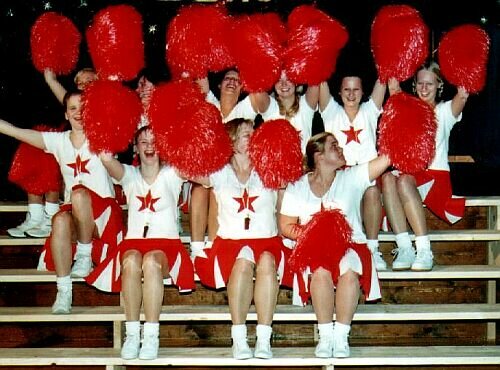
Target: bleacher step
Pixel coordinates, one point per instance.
(283, 313)
(283, 357)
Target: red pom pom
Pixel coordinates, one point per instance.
(407, 132)
(274, 150)
(399, 41)
(315, 41)
(463, 55)
(115, 42)
(33, 170)
(196, 41)
(322, 242)
(110, 113)
(257, 53)
(55, 43)
(189, 132)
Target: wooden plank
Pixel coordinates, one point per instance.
(460, 159)
(283, 313)
(283, 357)
(439, 272)
(9, 241)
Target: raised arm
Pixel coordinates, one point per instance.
(54, 85)
(458, 101)
(378, 93)
(312, 96)
(115, 169)
(324, 95)
(393, 85)
(203, 84)
(377, 166)
(28, 136)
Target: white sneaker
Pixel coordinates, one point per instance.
(324, 349)
(82, 267)
(404, 257)
(62, 305)
(43, 230)
(130, 349)
(149, 348)
(20, 230)
(341, 346)
(263, 349)
(380, 264)
(241, 350)
(423, 262)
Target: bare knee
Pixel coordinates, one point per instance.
(322, 275)
(152, 262)
(349, 278)
(80, 197)
(61, 222)
(406, 185)
(132, 262)
(266, 264)
(372, 195)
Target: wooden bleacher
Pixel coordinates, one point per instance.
(470, 280)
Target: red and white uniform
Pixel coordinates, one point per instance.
(247, 227)
(434, 183)
(242, 109)
(357, 138)
(81, 168)
(345, 194)
(152, 225)
(301, 121)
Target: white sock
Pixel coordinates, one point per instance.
(132, 328)
(239, 332)
(264, 332)
(342, 329)
(423, 242)
(152, 329)
(51, 209)
(325, 330)
(83, 250)
(372, 245)
(403, 240)
(197, 249)
(64, 283)
(36, 211)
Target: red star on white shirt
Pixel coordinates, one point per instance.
(79, 166)
(352, 134)
(148, 202)
(245, 201)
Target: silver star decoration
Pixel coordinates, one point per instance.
(47, 5)
(152, 28)
(10, 13)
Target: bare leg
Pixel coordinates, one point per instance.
(35, 199)
(132, 284)
(266, 289)
(60, 242)
(198, 212)
(323, 295)
(372, 212)
(412, 203)
(82, 215)
(392, 204)
(240, 290)
(154, 267)
(347, 297)
(213, 225)
(52, 197)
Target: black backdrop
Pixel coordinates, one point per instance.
(25, 99)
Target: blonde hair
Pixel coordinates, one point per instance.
(433, 67)
(316, 144)
(234, 126)
(292, 111)
(81, 72)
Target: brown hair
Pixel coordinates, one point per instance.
(68, 95)
(316, 144)
(234, 126)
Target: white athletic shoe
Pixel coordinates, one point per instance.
(380, 264)
(43, 230)
(241, 350)
(324, 349)
(423, 262)
(82, 267)
(20, 230)
(149, 348)
(62, 305)
(404, 258)
(130, 349)
(263, 349)
(341, 346)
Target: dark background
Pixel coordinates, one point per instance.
(25, 99)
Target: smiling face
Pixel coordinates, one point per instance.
(332, 152)
(73, 112)
(284, 87)
(351, 91)
(84, 78)
(145, 146)
(427, 85)
(231, 83)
